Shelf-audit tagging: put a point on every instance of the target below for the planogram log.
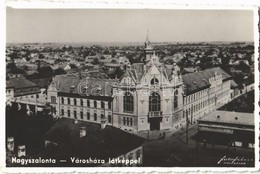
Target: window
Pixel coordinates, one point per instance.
(75, 114)
(68, 113)
(53, 99)
(62, 111)
(81, 115)
(88, 103)
(128, 102)
(175, 99)
(109, 119)
(95, 103)
(154, 102)
(131, 121)
(62, 100)
(95, 117)
(109, 105)
(75, 101)
(127, 121)
(68, 101)
(102, 116)
(88, 115)
(154, 81)
(102, 104)
(124, 121)
(81, 102)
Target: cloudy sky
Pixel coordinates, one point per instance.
(88, 25)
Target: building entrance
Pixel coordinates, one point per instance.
(155, 123)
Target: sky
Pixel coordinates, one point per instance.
(107, 25)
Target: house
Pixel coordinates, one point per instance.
(89, 141)
(227, 128)
(24, 92)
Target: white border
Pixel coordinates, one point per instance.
(119, 4)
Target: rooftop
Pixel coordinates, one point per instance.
(98, 143)
(199, 80)
(83, 85)
(238, 118)
(19, 82)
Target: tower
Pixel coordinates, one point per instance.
(148, 48)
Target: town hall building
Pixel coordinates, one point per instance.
(149, 96)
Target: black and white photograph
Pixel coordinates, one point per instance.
(130, 88)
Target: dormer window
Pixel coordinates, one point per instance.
(154, 81)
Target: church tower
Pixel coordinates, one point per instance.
(148, 48)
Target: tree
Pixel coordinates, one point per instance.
(95, 61)
(59, 71)
(41, 56)
(45, 72)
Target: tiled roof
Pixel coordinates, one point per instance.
(239, 118)
(42, 82)
(73, 84)
(98, 143)
(19, 82)
(200, 80)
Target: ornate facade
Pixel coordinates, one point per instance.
(149, 96)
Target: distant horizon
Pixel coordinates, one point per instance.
(129, 42)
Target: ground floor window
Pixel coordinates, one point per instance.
(95, 117)
(88, 115)
(127, 121)
(75, 114)
(109, 119)
(81, 115)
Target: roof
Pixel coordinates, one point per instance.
(137, 71)
(200, 80)
(95, 86)
(20, 82)
(233, 84)
(42, 83)
(98, 143)
(112, 64)
(226, 117)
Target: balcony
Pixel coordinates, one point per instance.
(155, 114)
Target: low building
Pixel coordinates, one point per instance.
(87, 141)
(24, 92)
(227, 128)
(205, 91)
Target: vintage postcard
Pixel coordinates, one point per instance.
(152, 89)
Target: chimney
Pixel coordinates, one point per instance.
(103, 123)
(21, 151)
(72, 88)
(10, 144)
(82, 132)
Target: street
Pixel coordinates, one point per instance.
(173, 151)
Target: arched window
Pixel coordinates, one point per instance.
(154, 102)
(128, 102)
(154, 81)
